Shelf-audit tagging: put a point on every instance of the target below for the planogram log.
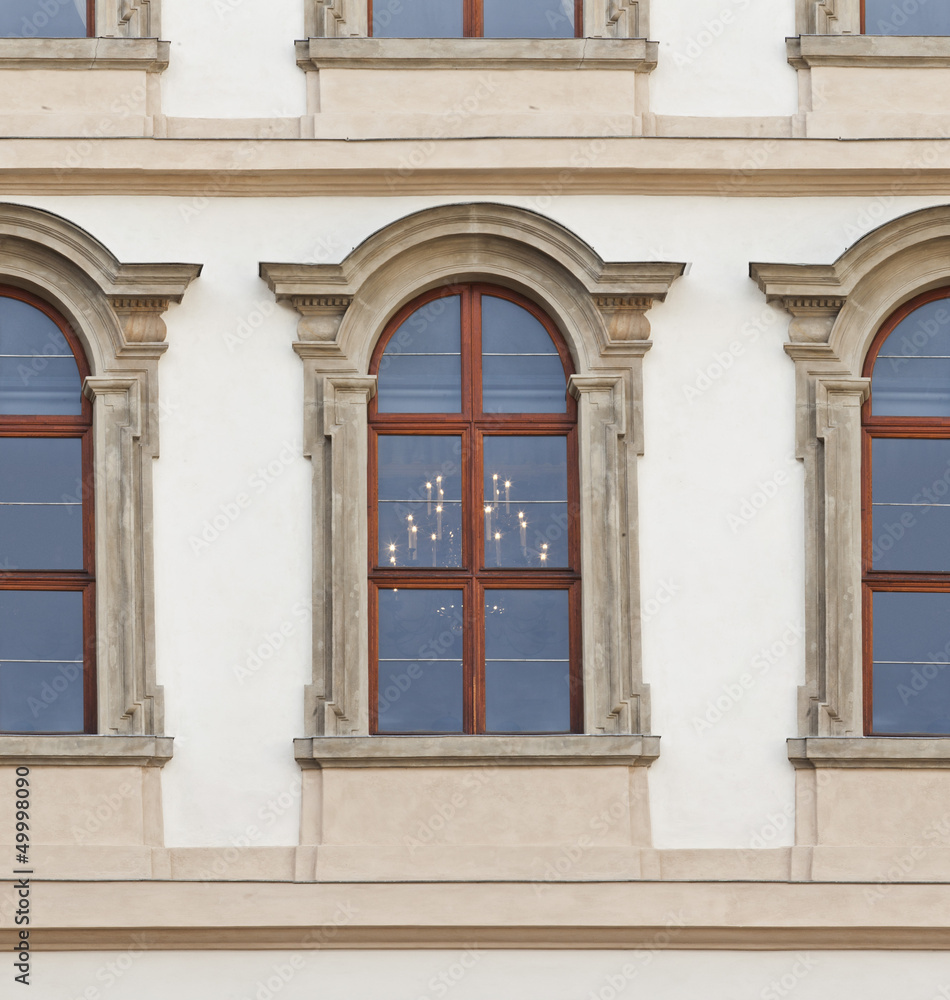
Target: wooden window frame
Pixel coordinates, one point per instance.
(873, 427)
(63, 427)
(472, 425)
(473, 19)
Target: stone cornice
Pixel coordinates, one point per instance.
(625, 914)
(630, 54)
(147, 54)
(86, 751)
(466, 751)
(870, 751)
(469, 167)
(872, 51)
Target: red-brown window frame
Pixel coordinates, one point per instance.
(473, 18)
(875, 581)
(472, 425)
(84, 581)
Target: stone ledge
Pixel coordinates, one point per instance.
(870, 751)
(147, 54)
(465, 751)
(635, 54)
(86, 751)
(873, 51)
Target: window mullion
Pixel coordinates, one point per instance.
(474, 19)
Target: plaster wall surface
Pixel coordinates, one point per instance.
(233, 58)
(473, 974)
(720, 499)
(723, 57)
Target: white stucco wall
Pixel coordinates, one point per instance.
(723, 57)
(505, 975)
(235, 58)
(716, 436)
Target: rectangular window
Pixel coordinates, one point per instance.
(905, 17)
(46, 18)
(475, 18)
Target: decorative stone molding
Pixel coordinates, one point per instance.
(115, 310)
(320, 319)
(589, 300)
(602, 18)
(626, 317)
(633, 54)
(149, 55)
(836, 311)
(870, 51)
(873, 751)
(87, 751)
(465, 751)
(828, 17)
(128, 18)
(141, 318)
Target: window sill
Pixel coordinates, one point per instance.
(149, 55)
(870, 751)
(86, 751)
(463, 751)
(636, 54)
(872, 51)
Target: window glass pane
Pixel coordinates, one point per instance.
(417, 18)
(41, 641)
(38, 373)
(421, 368)
(911, 655)
(911, 375)
(911, 505)
(41, 503)
(530, 18)
(420, 500)
(42, 18)
(527, 661)
(920, 17)
(525, 501)
(420, 661)
(521, 369)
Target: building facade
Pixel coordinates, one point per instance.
(471, 507)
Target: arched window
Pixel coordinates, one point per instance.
(475, 18)
(45, 19)
(474, 547)
(906, 567)
(47, 583)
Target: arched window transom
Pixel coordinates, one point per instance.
(474, 548)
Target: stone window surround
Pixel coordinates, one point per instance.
(600, 309)
(602, 19)
(116, 311)
(829, 34)
(129, 18)
(126, 37)
(868, 51)
(633, 54)
(836, 311)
